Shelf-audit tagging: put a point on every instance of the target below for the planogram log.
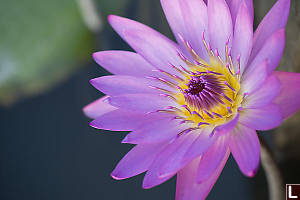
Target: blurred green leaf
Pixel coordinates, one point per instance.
(41, 43)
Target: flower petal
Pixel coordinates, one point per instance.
(271, 50)
(242, 40)
(136, 161)
(234, 6)
(118, 120)
(264, 118)
(187, 187)
(219, 25)
(122, 24)
(245, 148)
(199, 146)
(194, 14)
(211, 160)
(123, 63)
(170, 155)
(289, 97)
(160, 55)
(174, 16)
(227, 127)
(98, 108)
(118, 85)
(275, 20)
(145, 40)
(141, 102)
(256, 78)
(187, 19)
(265, 94)
(158, 131)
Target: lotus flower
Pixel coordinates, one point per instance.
(191, 104)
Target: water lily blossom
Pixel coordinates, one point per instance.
(190, 104)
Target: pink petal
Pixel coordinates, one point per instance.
(201, 144)
(211, 160)
(141, 102)
(187, 187)
(170, 155)
(157, 131)
(136, 161)
(122, 24)
(98, 108)
(256, 78)
(245, 148)
(289, 97)
(227, 127)
(174, 16)
(123, 63)
(146, 44)
(187, 19)
(275, 20)
(118, 120)
(194, 14)
(242, 40)
(119, 84)
(203, 141)
(264, 118)
(219, 25)
(145, 40)
(265, 94)
(271, 50)
(234, 6)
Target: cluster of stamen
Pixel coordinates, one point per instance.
(204, 91)
(208, 93)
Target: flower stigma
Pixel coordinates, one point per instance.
(207, 93)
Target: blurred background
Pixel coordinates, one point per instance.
(47, 149)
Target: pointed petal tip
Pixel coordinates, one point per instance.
(84, 109)
(92, 81)
(252, 173)
(111, 17)
(146, 186)
(151, 182)
(97, 108)
(97, 56)
(87, 111)
(92, 124)
(94, 55)
(116, 177)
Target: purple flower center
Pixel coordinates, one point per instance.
(196, 85)
(204, 91)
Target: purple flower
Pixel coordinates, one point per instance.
(190, 104)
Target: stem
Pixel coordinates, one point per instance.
(274, 179)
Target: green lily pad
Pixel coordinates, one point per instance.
(41, 43)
